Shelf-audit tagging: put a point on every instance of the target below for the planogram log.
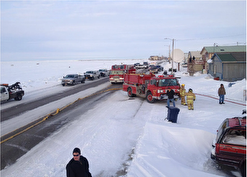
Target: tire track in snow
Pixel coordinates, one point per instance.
(213, 97)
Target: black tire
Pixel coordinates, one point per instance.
(129, 91)
(63, 84)
(243, 169)
(18, 97)
(150, 98)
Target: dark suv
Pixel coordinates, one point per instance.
(229, 147)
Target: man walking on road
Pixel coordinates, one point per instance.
(78, 166)
(221, 93)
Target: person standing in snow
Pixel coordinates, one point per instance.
(190, 99)
(170, 93)
(221, 93)
(78, 166)
(182, 94)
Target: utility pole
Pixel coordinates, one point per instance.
(172, 54)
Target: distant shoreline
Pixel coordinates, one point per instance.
(68, 60)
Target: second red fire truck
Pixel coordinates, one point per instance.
(149, 86)
(117, 73)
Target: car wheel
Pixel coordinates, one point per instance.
(18, 97)
(150, 98)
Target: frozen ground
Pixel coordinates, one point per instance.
(122, 133)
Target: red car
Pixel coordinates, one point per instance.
(229, 147)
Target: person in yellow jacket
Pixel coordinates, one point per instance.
(182, 94)
(190, 99)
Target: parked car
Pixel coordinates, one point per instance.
(92, 75)
(160, 68)
(145, 63)
(153, 69)
(104, 72)
(229, 147)
(72, 79)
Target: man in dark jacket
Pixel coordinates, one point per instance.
(221, 93)
(170, 93)
(78, 166)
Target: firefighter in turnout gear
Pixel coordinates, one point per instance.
(182, 94)
(190, 99)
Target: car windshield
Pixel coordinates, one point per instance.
(116, 72)
(89, 72)
(167, 82)
(118, 67)
(70, 76)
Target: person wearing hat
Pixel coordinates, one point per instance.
(182, 94)
(190, 99)
(221, 93)
(78, 166)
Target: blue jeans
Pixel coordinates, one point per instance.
(221, 100)
(168, 102)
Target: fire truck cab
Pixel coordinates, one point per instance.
(117, 72)
(149, 86)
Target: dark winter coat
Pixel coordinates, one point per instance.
(170, 94)
(221, 91)
(78, 168)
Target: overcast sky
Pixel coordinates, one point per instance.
(127, 29)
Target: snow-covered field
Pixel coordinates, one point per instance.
(122, 133)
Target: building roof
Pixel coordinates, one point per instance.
(196, 54)
(219, 49)
(228, 57)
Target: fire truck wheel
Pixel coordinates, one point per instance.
(150, 98)
(243, 169)
(130, 92)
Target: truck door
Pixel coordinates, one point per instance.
(4, 94)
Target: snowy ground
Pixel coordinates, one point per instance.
(123, 133)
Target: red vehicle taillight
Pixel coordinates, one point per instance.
(217, 148)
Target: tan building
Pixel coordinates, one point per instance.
(194, 62)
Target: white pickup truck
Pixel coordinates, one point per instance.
(11, 92)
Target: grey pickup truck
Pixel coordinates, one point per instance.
(72, 79)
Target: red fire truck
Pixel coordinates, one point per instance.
(149, 86)
(117, 73)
